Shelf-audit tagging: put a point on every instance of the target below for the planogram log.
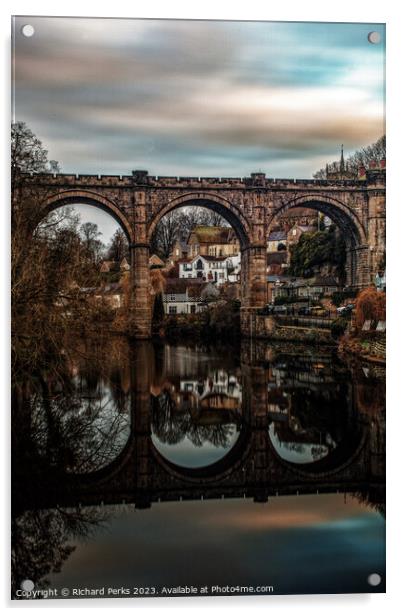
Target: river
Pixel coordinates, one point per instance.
(157, 466)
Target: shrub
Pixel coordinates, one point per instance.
(338, 327)
(370, 306)
(340, 296)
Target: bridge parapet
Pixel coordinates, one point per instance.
(372, 177)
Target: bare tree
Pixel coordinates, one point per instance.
(48, 269)
(118, 247)
(27, 152)
(178, 225)
(93, 246)
(363, 157)
(166, 233)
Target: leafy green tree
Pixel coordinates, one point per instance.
(314, 250)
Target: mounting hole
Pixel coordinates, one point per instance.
(374, 37)
(28, 30)
(374, 579)
(27, 585)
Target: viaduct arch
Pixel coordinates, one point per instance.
(250, 204)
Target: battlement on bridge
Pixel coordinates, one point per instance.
(253, 182)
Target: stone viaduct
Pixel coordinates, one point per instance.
(250, 204)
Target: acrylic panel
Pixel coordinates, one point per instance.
(198, 308)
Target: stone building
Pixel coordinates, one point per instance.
(111, 294)
(301, 288)
(277, 262)
(213, 241)
(305, 217)
(115, 266)
(155, 261)
(179, 251)
(276, 239)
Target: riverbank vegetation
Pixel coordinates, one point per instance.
(363, 338)
(54, 265)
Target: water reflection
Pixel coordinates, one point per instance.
(154, 424)
(196, 418)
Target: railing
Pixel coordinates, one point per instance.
(307, 321)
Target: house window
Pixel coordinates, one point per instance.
(172, 309)
(199, 265)
(192, 308)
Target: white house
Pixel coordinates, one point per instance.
(219, 382)
(211, 269)
(188, 296)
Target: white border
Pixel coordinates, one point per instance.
(306, 10)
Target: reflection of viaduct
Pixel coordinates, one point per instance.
(251, 205)
(252, 468)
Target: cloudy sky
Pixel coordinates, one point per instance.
(198, 97)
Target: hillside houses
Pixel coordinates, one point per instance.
(300, 288)
(108, 266)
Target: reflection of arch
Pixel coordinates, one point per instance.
(339, 459)
(213, 472)
(214, 202)
(341, 214)
(75, 197)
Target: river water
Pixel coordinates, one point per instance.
(157, 466)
